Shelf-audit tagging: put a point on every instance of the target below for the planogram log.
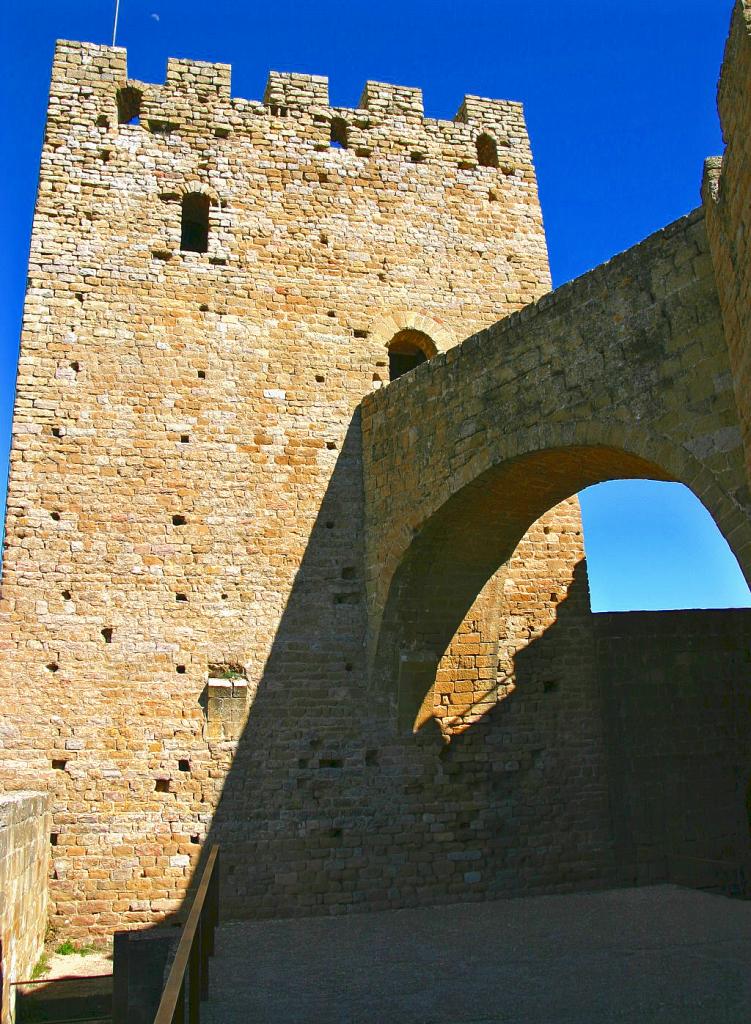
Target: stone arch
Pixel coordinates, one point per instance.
(193, 187)
(623, 373)
(407, 350)
(656, 457)
(441, 563)
(386, 326)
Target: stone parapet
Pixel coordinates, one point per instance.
(24, 859)
(195, 99)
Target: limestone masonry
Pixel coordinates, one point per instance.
(254, 593)
(24, 866)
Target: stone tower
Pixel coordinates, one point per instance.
(214, 285)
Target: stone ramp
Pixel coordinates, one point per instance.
(657, 954)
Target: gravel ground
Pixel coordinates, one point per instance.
(655, 955)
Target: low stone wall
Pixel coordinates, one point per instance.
(675, 688)
(24, 859)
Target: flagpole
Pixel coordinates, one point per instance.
(114, 27)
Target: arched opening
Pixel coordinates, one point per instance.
(194, 226)
(456, 551)
(487, 151)
(408, 349)
(632, 727)
(129, 105)
(339, 136)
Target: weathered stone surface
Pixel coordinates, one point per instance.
(24, 860)
(185, 485)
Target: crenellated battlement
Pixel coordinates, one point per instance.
(196, 97)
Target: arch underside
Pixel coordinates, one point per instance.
(452, 558)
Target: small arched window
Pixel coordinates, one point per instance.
(408, 349)
(487, 151)
(129, 105)
(338, 138)
(194, 232)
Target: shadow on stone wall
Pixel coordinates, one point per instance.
(329, 808)
(678, 724)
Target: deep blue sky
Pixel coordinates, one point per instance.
(620, 103)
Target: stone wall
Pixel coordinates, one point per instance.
(727, 181)
(24, 861)
(519, 603)
(678, 730)
(185, 510)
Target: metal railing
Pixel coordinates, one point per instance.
(188, 980)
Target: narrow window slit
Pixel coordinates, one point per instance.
(194, 227)
(129, 105)
(487, 151)
(338, 138)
